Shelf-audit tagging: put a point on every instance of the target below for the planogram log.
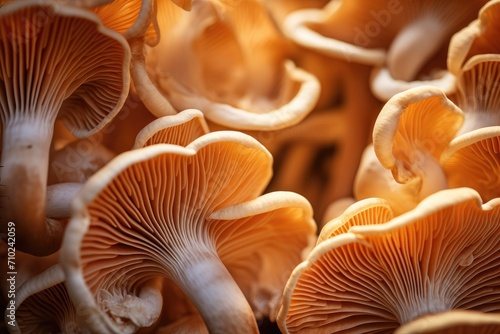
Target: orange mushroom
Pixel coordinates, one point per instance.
(70, 67)
(410, 134)
(473, 160)
(480, 37)
(443, 255)
(397, 37)
(191, 214)
(214, 59)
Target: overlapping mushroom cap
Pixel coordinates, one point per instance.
(410, 134)
(403, 37)
(42, 304)
(228, 60)
(179, 129)
(473, 160)
(478, 38)
(443, 255)
(192, 214)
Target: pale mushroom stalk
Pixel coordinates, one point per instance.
(413, 47)
(218, 298)
(25, 149)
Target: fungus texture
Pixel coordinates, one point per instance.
(191, 214)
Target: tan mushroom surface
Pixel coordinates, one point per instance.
(194, 215)
(241, 77)
(368, 211)
(132, 18)
(398, 37)
(180, 129)
(479, 37)
(409, 136)
(43, 305)
(478, 91)
(473, 160)
(442, 255)
(454, 322)
(71, 67)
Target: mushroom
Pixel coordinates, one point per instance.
(479, 37)
(453, 322)
(193, 215)
(42, 304)
(397, 37)
(441, 256)
(215, 67)
(367, 211)
(410, 134)
(180, 129)
(69, 67)
(132, 18)
(472, 160)
(477, 93)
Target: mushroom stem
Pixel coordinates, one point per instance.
(25, 153)
(149, 94)
(212, 289)
(414, 46)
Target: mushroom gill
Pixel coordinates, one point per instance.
(231, 62)
(193, 215)
(443, 255)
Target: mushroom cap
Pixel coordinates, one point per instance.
(479, 37)
(216, 67)
(478, 89)
(71, 63)
(454, 322)
(367, 211)
(179, 129)
(364, 32)
(131, 18)
(413, 126)
(142, 212)
(473, 160)
(43, 304)
(442, 255)
(384, 86)
(314, 29)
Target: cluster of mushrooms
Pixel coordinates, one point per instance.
(246, 166)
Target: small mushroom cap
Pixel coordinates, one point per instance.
(473, 160)
(479, 37)
(179, 129)
(367, 211)
(412, 126)
(74, 65)
(43, 305)
(442, 255)
(454, 322)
